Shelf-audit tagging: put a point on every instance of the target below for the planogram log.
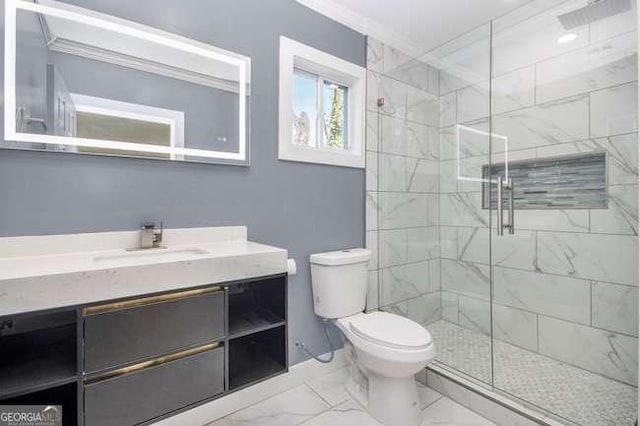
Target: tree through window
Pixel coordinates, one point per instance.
(320, 112)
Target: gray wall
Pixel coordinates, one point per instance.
(304, 208)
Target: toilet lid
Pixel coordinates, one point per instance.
(390, 330)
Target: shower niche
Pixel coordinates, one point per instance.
(568, 182)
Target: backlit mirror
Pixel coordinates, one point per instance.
(85, 82)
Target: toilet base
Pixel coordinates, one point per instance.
(391, 401)
(394, 401)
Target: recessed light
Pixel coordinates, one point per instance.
(567, 38)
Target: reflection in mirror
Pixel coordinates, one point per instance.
(79, 81)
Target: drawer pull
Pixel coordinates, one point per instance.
(151, 363)
(116, 306)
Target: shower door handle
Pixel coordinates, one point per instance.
(510, 206)
(500, 204)
(508, 186)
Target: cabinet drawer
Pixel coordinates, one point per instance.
(142, 395)
(146, 328)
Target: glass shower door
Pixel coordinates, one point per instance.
(463, 335)
(564, 250)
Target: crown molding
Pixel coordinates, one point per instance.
(367, 26)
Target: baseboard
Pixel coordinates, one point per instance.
(297, 375)
(492, 405)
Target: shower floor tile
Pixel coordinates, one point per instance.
(567, 391)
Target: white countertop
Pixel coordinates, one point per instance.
(47, 272)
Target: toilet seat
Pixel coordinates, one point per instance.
(387, 332)
(390, 330)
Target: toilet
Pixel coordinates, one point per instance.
(384, 350)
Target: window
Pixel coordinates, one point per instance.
(313, 93)
(321, 107)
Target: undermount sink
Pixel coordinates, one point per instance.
(151, 255)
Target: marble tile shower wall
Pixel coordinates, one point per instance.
(403, 184)
(566, 284)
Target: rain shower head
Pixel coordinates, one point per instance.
(596, 10)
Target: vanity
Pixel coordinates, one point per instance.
(120, 337)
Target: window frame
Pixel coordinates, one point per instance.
(295, 55)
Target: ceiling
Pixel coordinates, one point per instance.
(415, 25)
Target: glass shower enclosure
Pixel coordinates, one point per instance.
(502, 204)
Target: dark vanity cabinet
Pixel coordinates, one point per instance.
(134, 361)
(257, 331)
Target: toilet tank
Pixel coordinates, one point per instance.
(339, 282)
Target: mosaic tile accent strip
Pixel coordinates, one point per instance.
(569, 392)
(576, 182)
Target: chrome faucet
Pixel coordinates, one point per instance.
(150, 235)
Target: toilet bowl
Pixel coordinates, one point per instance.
(384, 350)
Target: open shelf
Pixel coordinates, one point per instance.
(37, 355)
(253, 321)
(256, 306)
(257, 356)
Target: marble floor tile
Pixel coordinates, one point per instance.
(446, 412)
(332, 387)
(349, 413)
(304, 405)
(427, 395)
(573, 393)
(288, 408)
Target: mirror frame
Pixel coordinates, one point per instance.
(133, 29)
